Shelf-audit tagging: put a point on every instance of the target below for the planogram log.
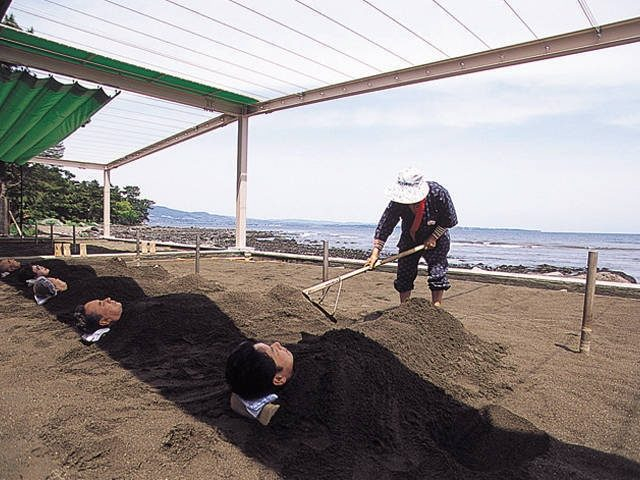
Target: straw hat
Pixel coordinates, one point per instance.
(410, 187)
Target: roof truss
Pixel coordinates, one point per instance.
(610, 35)
(617, 33)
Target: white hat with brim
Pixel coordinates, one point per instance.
(410, 187)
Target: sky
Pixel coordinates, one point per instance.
(551, 145)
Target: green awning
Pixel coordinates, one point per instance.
(38, 113)
(42, 52)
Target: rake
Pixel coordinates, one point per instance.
(338, 280)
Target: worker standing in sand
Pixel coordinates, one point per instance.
(427, 213)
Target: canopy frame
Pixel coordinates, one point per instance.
(613, 34)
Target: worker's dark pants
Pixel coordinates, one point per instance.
(437, 266)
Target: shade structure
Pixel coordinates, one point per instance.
(28, 49)
(38, 113)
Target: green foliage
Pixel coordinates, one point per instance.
(50, 192)
(57, 151)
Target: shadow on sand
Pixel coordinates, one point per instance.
(352, 410)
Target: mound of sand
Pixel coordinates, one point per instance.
(353, 410)
(435, 345)
(280, 314)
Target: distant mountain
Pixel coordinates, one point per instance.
(169, 217)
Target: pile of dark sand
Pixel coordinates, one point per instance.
(434, 344)
(280, 314)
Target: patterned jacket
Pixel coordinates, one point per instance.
(439, 215)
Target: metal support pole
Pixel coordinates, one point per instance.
(138, 244)
(325, 260)
(36, 234)
(241, 183)
(51, 233)
(589, 293)
(106, 204)
(73, 243)
(198, 253)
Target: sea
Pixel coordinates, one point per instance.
(469, 245)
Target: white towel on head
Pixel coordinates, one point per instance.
(43, 300)
(254, 407)
(37, 284)
(4, 274)
(95, 336)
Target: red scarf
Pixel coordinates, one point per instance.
(417, 220)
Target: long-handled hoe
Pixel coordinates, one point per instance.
(325, 286)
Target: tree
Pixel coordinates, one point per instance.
(57, 151)
(51, 192)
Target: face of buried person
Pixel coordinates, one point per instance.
(107, 309)
(9, 265)
(40, 271)
(283, 359)
(59, 284)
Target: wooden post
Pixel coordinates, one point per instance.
(51, 233)
(589, 293)
(4, 215)
(198, 253)
(137, 243)
(73, 244)
(66, 249)
(83, 249)
(16, 224)
(36, 233)
(57, 250)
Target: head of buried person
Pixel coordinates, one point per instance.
(255, 371)
(97, 314)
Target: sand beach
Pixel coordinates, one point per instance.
(490, 387)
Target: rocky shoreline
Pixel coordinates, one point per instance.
(274, 241)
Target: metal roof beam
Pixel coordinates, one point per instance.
(192, 132)
(613, 34)
(204, 127)
(22, 52)
(67, 163)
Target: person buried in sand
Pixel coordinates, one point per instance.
(8, 265)
(45, 288)
(29, 273)
(255, 371)
(427, 212)
(40, 271)
(96, 317)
